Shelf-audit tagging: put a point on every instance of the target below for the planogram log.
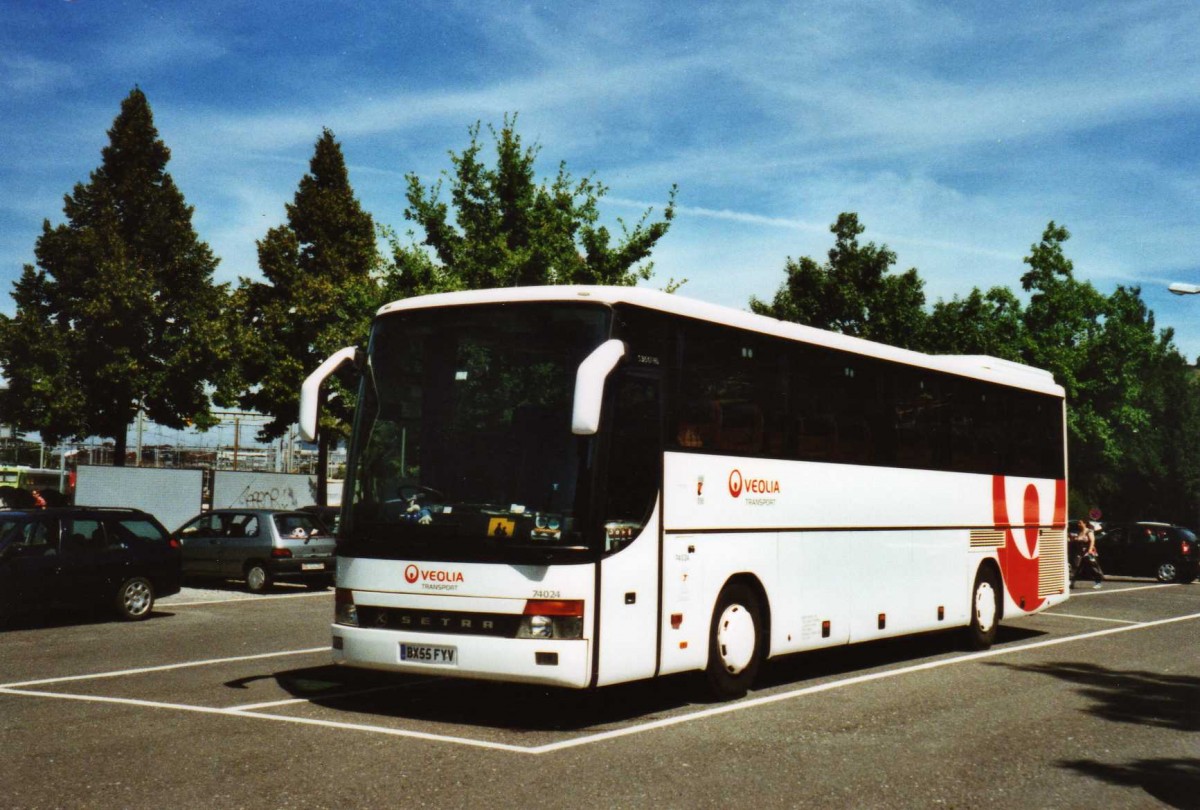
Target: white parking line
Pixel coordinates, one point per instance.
(826, 687)
(1089, 618)
(162, 668)
(164, 604)
(15, 689)
(1108, 591)
(308, 721)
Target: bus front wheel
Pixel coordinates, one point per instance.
(985, 610)
(735, 642)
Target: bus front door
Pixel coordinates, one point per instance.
(627, 644)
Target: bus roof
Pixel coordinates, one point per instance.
(983, 367)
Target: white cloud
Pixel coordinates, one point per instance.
(23, 74)
(160, 41)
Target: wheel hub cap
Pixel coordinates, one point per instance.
(985, 606)
(137, 599)
(736, 639)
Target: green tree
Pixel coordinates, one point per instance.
(1160, 477)
(502, 228)
(990, 323)
(1106, 352)
(319, 290)
(1142, 384)
(853, 292)
(120, 313)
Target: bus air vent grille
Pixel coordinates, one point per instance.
(504, 625)
(987, 538)
(1052, 564)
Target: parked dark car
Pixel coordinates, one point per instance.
(84, 556)
(1160, 550)
(331, 516)
(261, 546)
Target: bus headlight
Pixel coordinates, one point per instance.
(344, 611)
(552, 618)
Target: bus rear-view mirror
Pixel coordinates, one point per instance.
(311, 389)
(589, 386)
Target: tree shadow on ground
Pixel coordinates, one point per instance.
(1130, 696)
(1140, 697)
(1174, 782)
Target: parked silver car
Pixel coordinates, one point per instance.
(260, 546)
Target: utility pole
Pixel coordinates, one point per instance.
(141, 417)
(237, 439)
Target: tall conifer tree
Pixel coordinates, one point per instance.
(121, 312)
(317, 295)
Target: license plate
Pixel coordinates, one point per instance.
(312, 566)
(429, 654)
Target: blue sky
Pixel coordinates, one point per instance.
(956, 131)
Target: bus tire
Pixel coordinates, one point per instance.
(735, 642)
(985, 610)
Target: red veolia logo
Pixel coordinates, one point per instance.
(752, 486)
(735, 483)
(1020, 556)
(412, 574)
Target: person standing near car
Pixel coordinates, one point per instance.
(1090, 558)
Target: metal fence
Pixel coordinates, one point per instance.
(296, 458)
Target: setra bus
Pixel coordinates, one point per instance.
(583, 486)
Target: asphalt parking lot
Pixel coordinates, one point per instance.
(222, 699)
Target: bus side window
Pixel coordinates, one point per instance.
(816, 437)
(698, 424)
(741, 427)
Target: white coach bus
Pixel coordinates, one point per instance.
(582, 486)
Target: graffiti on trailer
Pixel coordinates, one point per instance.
(272, 498)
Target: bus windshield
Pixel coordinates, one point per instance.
(463, 446)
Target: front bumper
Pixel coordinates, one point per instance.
(302, 568)
(481, 657)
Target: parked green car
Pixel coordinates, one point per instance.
(260, 546)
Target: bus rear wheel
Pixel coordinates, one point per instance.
(735, 642)
(985, 610)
